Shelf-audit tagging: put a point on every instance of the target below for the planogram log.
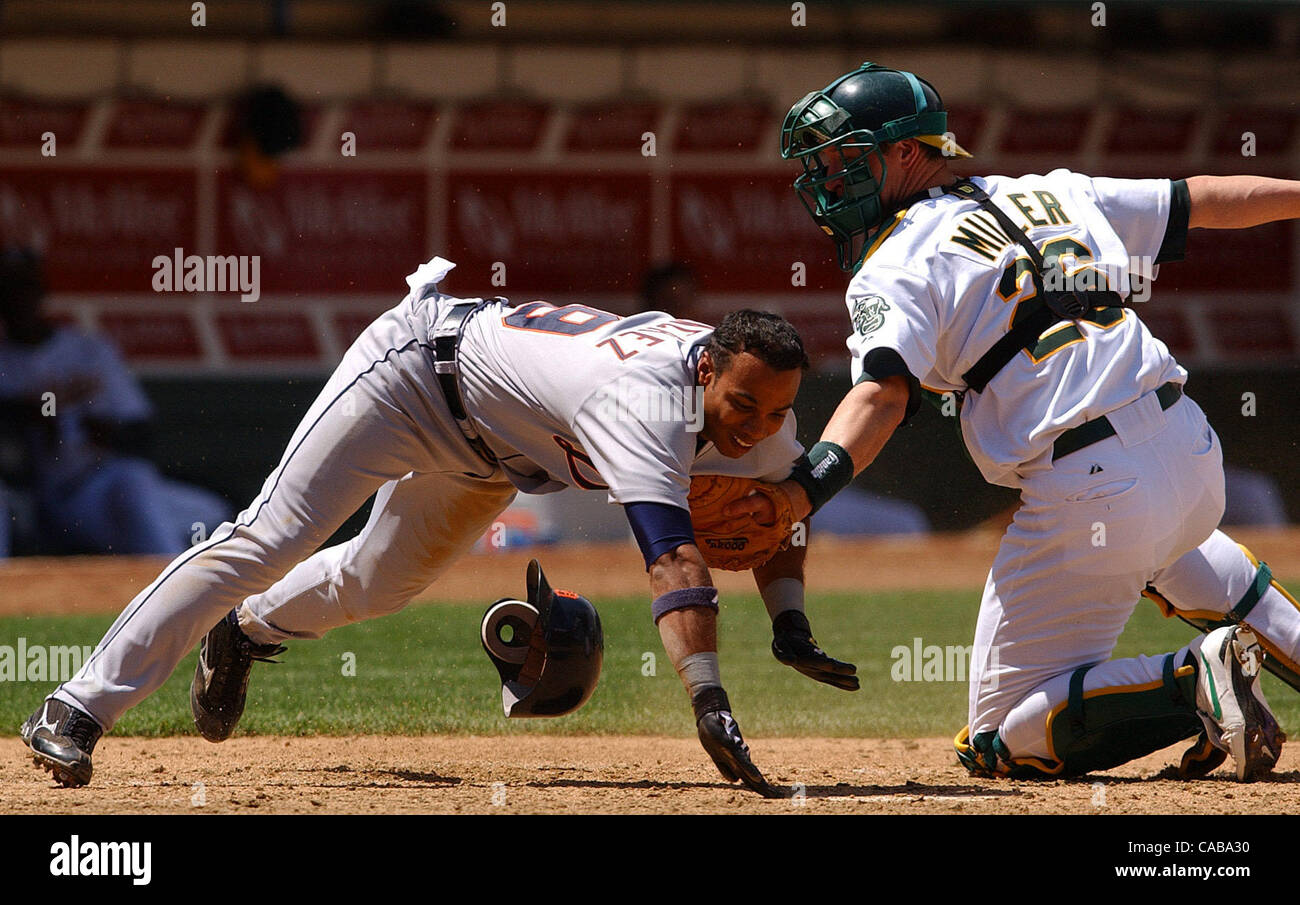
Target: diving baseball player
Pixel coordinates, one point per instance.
(447, 407)
(1013, 296)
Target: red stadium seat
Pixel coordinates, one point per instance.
(612, 126)
(1140, 130)
(499, 126)
(735, 127)
(1275, 130)
(154, 124)
(390, 125)
(1054, 131)
(23, 122)
(141, 336)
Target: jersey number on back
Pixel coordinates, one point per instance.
(570, 320)
(1016, 279)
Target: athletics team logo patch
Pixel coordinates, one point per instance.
(869, 314)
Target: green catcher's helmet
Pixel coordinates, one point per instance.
(836, 131)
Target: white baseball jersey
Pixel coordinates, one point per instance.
(574, 396)
(942, 283)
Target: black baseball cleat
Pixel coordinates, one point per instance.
(220, 683)
(62, 739)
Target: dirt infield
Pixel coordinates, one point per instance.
(595, 775)
(547, 774)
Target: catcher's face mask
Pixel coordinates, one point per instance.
(838, 186)
(547, 649)
(837, 134)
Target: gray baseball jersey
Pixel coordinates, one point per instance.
(573, 396)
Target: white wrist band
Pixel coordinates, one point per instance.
(781, 595)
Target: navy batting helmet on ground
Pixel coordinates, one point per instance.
(551, 660)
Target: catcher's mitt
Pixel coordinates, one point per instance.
(737, 543)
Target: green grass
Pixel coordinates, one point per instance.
(423, 670)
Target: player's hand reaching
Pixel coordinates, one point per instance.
(793, 645)
(721, 738)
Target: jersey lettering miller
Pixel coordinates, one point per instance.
(979, 232)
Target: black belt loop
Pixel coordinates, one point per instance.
(446, 345)
(1090, 432)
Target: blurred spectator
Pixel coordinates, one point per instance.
(672, 287)
(270, 123)
(80, 423)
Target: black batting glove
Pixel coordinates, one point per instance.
(721, 738)
(793, 645)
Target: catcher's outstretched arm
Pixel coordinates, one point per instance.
(864, 420)
(1239, 202)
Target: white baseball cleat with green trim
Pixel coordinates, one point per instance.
(1231, 703)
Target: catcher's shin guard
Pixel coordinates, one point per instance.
(1279, 662)
(1097, 729)
(986, 755)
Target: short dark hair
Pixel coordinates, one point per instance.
(768, 337)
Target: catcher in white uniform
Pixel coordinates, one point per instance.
(1012, 295)
(446, 407)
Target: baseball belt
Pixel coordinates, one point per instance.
(446, 346)
(1090, 432)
